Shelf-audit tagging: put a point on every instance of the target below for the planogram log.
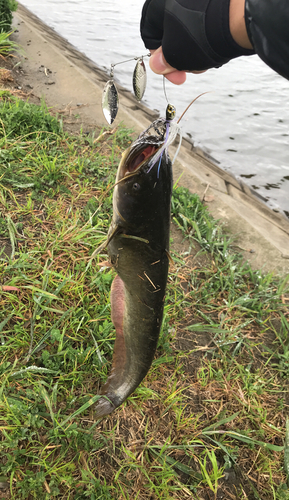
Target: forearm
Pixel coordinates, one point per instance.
(237, 23)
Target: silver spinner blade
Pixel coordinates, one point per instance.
(139, 79)
(110, 101)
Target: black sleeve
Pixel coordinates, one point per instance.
(267, 23)
(194, 34)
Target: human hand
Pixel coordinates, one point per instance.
(192, 36)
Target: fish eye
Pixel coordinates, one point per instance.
(136, 186)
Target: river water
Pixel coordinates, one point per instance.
(243, 122)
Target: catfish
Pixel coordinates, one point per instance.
(138, 246)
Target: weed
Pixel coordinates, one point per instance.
(7, 46)
(19, 118)
(6, 9)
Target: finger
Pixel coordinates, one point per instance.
(177, 77)
(158, 63)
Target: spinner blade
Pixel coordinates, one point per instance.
(139, 79)
(110, 101)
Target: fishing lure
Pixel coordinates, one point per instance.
(166, 129)
(110, 99)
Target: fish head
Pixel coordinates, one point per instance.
(142, 193)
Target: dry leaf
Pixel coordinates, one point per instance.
(209, 197)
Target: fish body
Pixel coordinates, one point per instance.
(138, 249)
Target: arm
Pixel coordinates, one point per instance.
(267, 23)
(194, 36)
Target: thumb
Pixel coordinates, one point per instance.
(159, 65)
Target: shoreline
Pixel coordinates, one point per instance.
(54, 70)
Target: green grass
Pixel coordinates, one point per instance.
(209, 420)
(6, 9)
(7, 46)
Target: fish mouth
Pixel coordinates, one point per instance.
(138, 156)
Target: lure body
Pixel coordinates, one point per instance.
(172, 129)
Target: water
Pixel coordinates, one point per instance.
(242, 121)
